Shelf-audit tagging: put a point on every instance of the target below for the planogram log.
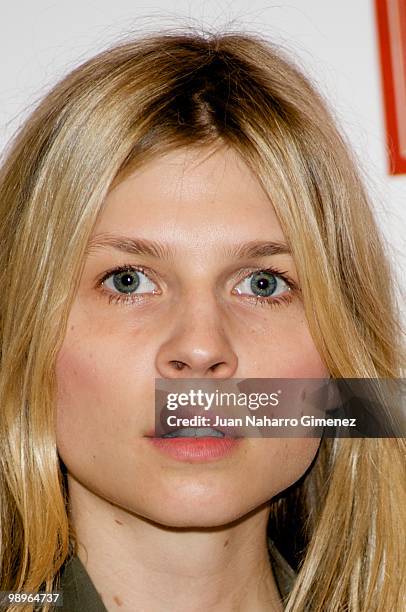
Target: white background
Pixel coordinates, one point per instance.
(334, 41)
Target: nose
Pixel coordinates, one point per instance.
(197, 346)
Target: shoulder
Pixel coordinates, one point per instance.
(285, 576)
(77, 588)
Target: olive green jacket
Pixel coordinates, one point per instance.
(80, 595)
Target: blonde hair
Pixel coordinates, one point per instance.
(113, 113)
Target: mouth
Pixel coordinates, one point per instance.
(195, 444)
(188, 422)
(194, 432)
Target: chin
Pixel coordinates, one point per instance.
(194, 517)
(193, 506)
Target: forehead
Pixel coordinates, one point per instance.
(195, 195)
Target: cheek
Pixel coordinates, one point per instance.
(292, 456)
(98, 391)
(299, 357)
(78, 392)
(79, 378)
(87, 394)
(277, 463)
(287, 348)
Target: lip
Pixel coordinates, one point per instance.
(229, 432)
(195, 450)
(188, 412)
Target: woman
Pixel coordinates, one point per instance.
(183, 207)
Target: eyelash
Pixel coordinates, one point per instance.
(258, 300)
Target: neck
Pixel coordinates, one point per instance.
(138, 564)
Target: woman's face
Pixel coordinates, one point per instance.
(191, 302)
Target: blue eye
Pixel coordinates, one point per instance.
(263, 284)
(128, 281)
(127, 284)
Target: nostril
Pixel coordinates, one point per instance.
(215, 366)
(179, 365)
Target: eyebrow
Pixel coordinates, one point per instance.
(140, 246)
